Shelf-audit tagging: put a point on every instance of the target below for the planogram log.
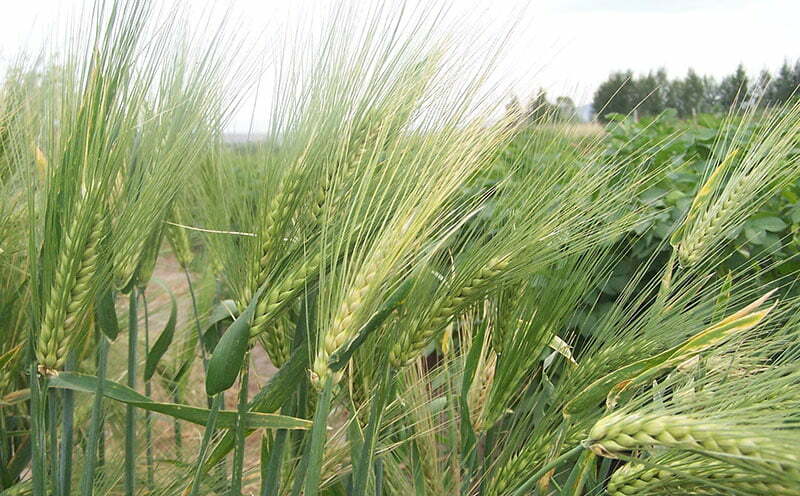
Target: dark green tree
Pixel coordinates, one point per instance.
(694, 95)
(539, 109)
(734, 90)
(651, 93)
(565, 109)
(784, 85)
(617, 94)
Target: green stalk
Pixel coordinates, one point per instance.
(271, 476)
(38, 431)
(264, 460)
(488, 449)
(303, 334)
(310, 466)
(148, 418)
(95, 429)
(207, 435)
(203, 356)
(65, 455)
(5, 455)
(209, 400)
(176, 425)
(197, 322)
(525, 487)
(364, 462)
(469, 438)
(379, 477)
(241, 431)
(271, 479)
(130, 413)
(102, 367)
(417, 472)
(52, 429)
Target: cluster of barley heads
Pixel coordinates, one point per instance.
(388, 294)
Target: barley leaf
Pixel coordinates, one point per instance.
(163, 342)
(225, 310)
(271, 397)
(622, 378)
(195, 415)
(312, 458)
(106, 314)
(228, 357)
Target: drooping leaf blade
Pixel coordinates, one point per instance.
(620, 379)
(227, 419)
(228, 357)
(163, 342)
(106, 315)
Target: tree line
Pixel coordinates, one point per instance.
(652, 93)
(540, 109)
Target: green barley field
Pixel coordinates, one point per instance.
(399, 290)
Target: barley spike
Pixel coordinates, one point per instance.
(68, 296)
(411, 344)
(343, 325)
(619, 433)
(636, 478)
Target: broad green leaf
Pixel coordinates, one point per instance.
(106, 315)
(228, 357)
(15, 466)
(755, 236)
(227, 419)
(620, 379)
(223, 311)
(769, 223)
(795, 214)
(164, 340)
(270, 398)
(581, 471)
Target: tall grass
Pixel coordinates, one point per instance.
(397, 284)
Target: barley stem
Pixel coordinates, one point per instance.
(52, 430)
(361, 466)
(238, 454)
(68, 416)
(130, 411)
(197, 325)
(38, 431)
(148, 418)
(96, 426)
(211, 424)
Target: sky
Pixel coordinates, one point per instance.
(566, 47)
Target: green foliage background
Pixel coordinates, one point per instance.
(681, 151)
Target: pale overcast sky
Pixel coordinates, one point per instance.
(566, 46)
